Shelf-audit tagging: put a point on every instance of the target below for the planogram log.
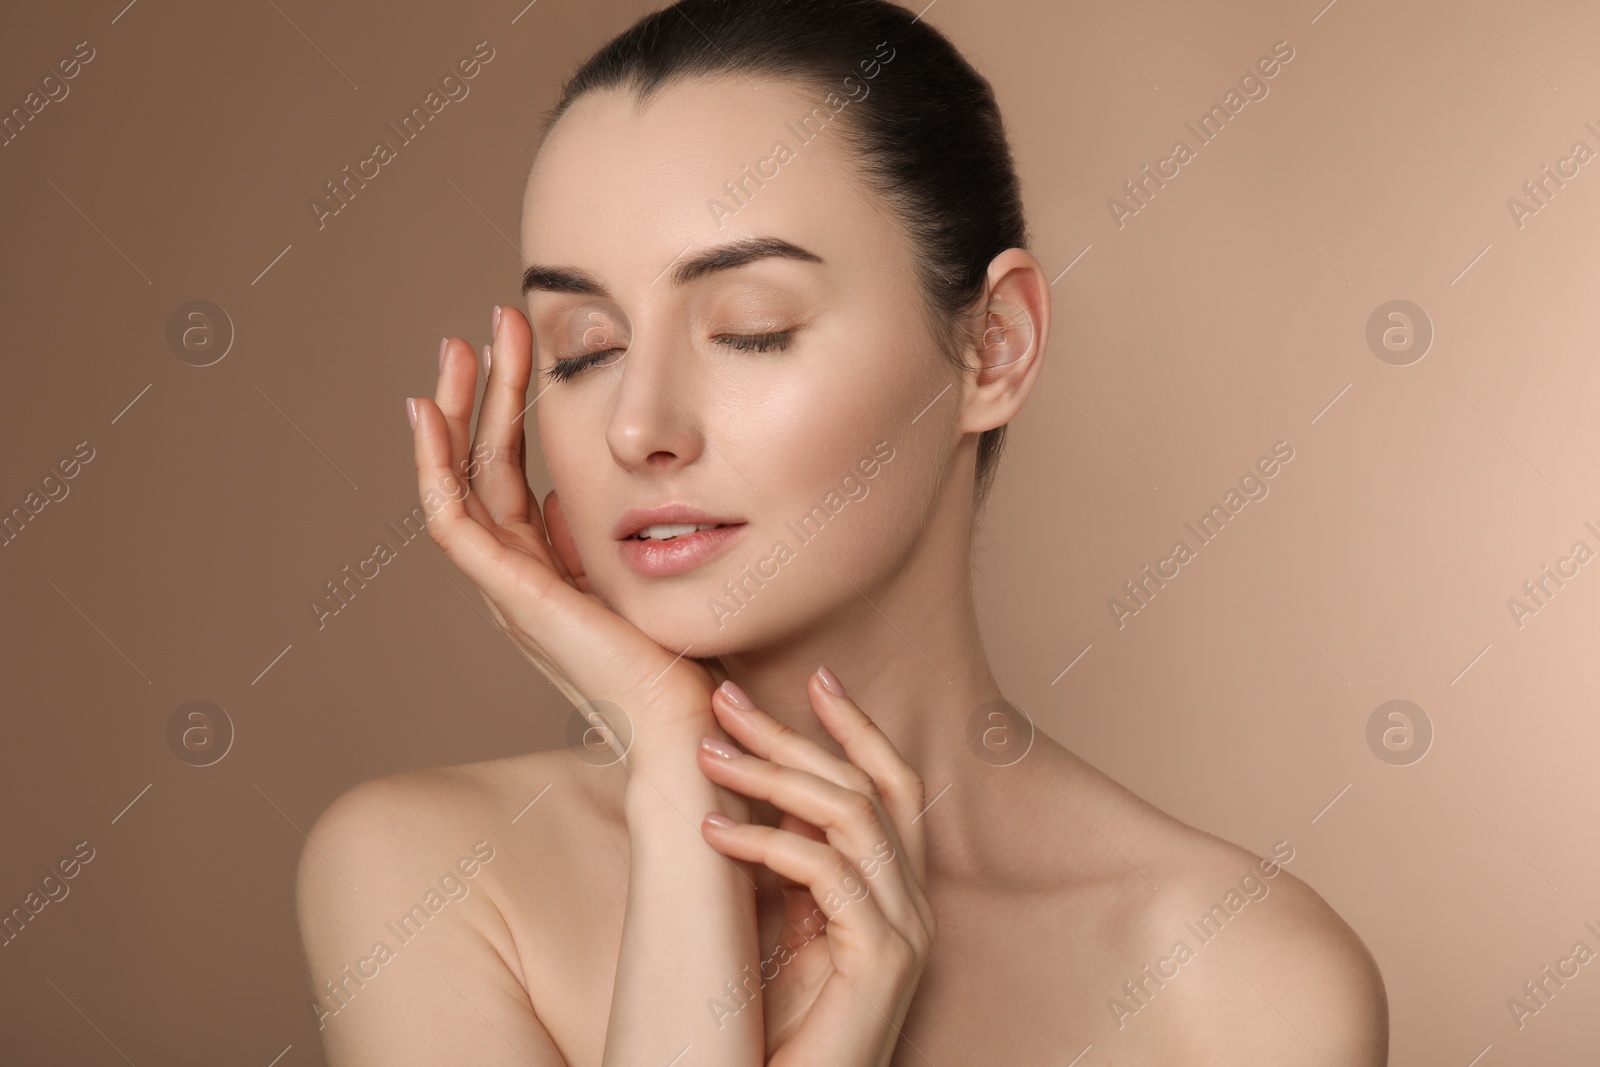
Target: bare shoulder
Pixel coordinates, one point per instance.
(387, 822)
(1232, 957)
(400, 894)
(409, 821)
(1290, 980)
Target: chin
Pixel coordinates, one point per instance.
(682, 620)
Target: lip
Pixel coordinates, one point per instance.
(659, 559)
(635, 519)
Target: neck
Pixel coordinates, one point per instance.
(916, 669)
(910, 655)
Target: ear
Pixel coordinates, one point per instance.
(1007, 341)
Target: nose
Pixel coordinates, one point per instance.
(653, 424)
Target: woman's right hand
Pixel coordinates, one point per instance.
(841, 987)
(484, 516)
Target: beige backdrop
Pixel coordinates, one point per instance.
(1228, 313)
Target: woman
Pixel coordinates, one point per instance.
(783, 309)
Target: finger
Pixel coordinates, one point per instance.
(834, 884)
(900, 787)
(713, 667)
(853, 822)
(502, 482)
(555, 521)
(796, 825)
(448, 502)
(455, 393)
(436, 470)
(783, 744)
(870, 749)
(597, 654)
(861, 933)
(527, 597)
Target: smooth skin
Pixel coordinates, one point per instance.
(975, 913)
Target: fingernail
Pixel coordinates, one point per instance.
(716, 818)
(488, 358)
(719, 748)
(411, 411)
(444, 343)
(831, 681)
(494, 321)
(736, 696)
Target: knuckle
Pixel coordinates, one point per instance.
(909, 783)
(782, 735)
(761, 837)
(860, 781)
(922, 937)
(859, 807)
(440, 537)
(901, 954)
(529, 585)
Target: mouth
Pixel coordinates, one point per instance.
(667, 531)
(672, 539)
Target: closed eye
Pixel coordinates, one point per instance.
(761, 342)
(565, 369)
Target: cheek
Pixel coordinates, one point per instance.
(806, 426)
(811, 453)
(560, 459)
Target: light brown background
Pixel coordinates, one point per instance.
(1224, 317)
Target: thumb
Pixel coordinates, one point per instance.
(555, 524)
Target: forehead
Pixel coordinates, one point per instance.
(623, 192)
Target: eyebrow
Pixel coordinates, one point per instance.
(710, 261)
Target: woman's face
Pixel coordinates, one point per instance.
(795, 398)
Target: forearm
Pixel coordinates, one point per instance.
(690, 926)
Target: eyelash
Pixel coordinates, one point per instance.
(565, 369)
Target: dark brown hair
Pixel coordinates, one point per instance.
(929, 137)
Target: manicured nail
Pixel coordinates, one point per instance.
(736, 696)
(494, 321)
(716, 818)
(719, 748)
(488, 358)
(831, 681)
(444, 343)
(411, 411)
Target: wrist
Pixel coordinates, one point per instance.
(664, 751)
(670, 769)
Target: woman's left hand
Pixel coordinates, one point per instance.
(849, 839)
